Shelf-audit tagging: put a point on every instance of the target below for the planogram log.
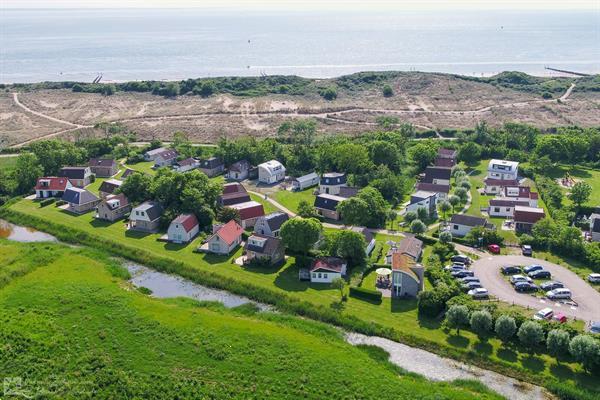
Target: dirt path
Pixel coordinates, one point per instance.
(335, 116)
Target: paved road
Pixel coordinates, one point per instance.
(487, 269)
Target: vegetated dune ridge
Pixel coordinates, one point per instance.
(428, 100)
(74, 328)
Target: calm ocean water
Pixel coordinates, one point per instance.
(39, 45)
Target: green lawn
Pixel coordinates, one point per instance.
(8, 163)
(291, 200)
(73, 328)
(396, 314)
(144, 166)
(269, 208)
(591, 176)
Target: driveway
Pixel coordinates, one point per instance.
(487, 269)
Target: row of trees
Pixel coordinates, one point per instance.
(530, 335)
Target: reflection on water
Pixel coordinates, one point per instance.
(23, 234)
(165, 285)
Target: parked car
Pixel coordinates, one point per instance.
(460, 258)
(532, 267)
(510, 270)
(455, 267)
(494, 248)
(546, 286)
(471, 285)
(469, 279)
(545, 313)
(482, 293)
(595, 327)
(462, 273)
(540, 274)
(562, 293)
(560, 318)
(527, 250)
(526, 287)
(594, 278)
(520, 278)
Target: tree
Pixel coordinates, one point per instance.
(585, 350)
(454, 200)
(351, 246)
(445, 237)
(205, 89)
(580, 193)
(300, 234)
(387, 91)
(299, 131)
(444, 208)
(27, 170)
(386, 122)
(544, 232)
(481, 322)
(557, 342)
(306, 210)
(505, 327)
(227, 214)
(417, 226)
(108, 89)
(386, 153)
(410, 216)
(353, 211)
(469, 152)
(329, 93)
(464, 183)
(339, 284)
(136, 187)
(422, 154)
(530, 334)
(457, 316)
(462, 193)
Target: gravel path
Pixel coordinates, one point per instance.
(437, 368)
(487, 269)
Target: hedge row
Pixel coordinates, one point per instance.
(47, 202)
(366, 294)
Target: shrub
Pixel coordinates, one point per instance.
(557, 342)
(457, 317)
(47, 202)
(329, 93)
(387, 91)
(585, 350)
(445, 237)
(417, 226)
(481, 322)
(530, 334)
(365, 294)
(505, 327)
(410, 216)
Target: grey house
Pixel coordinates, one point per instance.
(80, 200)
(212, 166)
(109, 186)
(146, 217)
(113, 207)
(270, 225)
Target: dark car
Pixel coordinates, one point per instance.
(540, 274)
(462, 273)
(471, 285)
(546, 286)
(469, 279)
(461, 259)
(510, 270)
(526, 250)
(525, 287)
(531, 268)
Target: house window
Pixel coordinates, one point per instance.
(507, 209)
(314, 274)
(325, 276)
(319, 275)
(137, 213)
(455, 227)
(496, 209)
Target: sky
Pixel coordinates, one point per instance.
(308, 5)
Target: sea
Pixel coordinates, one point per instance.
(171, 44)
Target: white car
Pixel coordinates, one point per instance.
(478, 293)
(562, 293)
(520, 278)
(594, 278)
(545, 313)
(455, 267)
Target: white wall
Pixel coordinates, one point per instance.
(459, 230)
(330, 277)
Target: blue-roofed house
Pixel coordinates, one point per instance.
(80, 200)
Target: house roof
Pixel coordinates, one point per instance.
(155, 151)
(410, 246)
(187, 162)
(188, 221)
(367, 234)
(168, 154)
(211, 163)
(79, 196)
(229, 232)
(507, 202)
(444, 162)
(348, 191)
(328, 201)
(112, 199)
(52, 183)
(127, 173)
(269, 245)
(307, 178)
(249, 209)
(240, 166)
(468, 220)
(333, 264)
(153, 209)
(275, 220)
(404, 263)
(272, 166)
(528, 215)
(234, 198)
(102, 162)
(333, 178)
(233, 187)
(109, 185)
(73, 172)
(421, 195)
(432, 173)
(524, 191)
(500, 182)
(432, 187)
(513, 165)
(447, 153)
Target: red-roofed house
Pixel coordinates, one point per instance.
(183, 228)
(51, 186)
(525, 217)
(521, 193)
(326, 269)
(249, 211)
(225, 238)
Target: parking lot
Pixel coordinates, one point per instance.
(487, 269)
